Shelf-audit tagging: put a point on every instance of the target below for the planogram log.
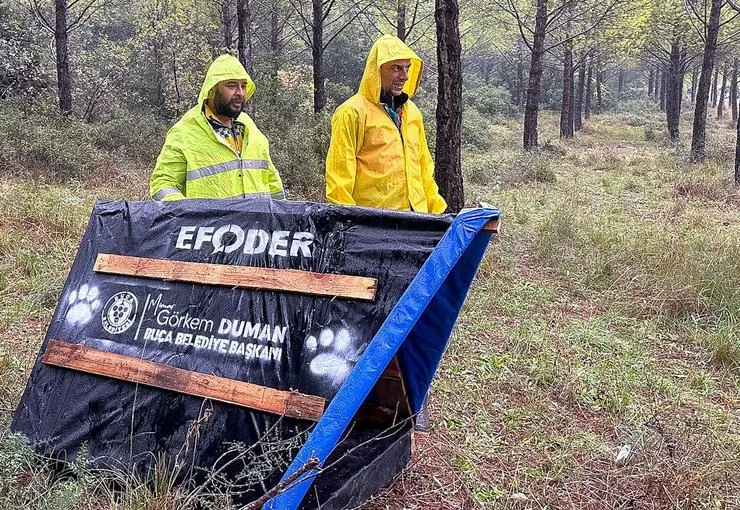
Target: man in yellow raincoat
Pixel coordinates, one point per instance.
(378, 154)
(215, 150)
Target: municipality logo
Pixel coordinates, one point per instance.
(119, 312)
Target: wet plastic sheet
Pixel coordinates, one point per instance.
(278, 339)
(418, 329)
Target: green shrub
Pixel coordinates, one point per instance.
(475, 130)
(480, 169)
(527, 166)
(492, 101)
(635, 121)
(299, 153)
(45, 144)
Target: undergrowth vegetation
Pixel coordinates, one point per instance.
(597, 360)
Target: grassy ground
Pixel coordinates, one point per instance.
(604, 318)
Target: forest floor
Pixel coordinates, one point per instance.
(603, 318)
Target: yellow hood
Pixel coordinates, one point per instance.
(225, 67)
(386, 49)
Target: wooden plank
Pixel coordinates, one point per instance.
(290, 280)
(491, 226)
(128, 368)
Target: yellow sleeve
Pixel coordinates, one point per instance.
(168, 178)
(341, 160)
(435, 202)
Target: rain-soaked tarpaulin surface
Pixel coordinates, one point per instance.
(282, 340)
(418, 328)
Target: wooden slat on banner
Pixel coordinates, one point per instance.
(127, 368)
(290, 280)
(491, 226)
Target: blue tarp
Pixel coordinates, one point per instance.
(418, 329)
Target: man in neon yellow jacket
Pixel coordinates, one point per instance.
(215, 150)
(378, 154)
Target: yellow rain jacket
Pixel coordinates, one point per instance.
(196, 163)
(369, 162)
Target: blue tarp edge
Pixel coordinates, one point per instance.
(451, 252)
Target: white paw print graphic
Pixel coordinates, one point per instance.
(82, 303)
(332, 354)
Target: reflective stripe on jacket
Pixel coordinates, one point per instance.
(369, 162)
(196, 163)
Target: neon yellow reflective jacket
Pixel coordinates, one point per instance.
(368, 162)
(196, 163)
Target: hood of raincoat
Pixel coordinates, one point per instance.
(225, 67)
(387, 49)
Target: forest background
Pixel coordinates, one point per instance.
(604, 319)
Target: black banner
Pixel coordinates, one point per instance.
(283, 340)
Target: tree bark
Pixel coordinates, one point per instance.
(722, 91)
(599, 79)
(714, 87)
(566, 127)
(244, 27)
(587, 106)
(401, 20)
(620, 84)
(448, 173)
(734, 89)
(244, 43)
(694, 76)
(64, 77)
(519, 81)
(224, 14)
(317, 55)
(275, 50)
(578, 114)
(673, 91)
(532, 107)
(737, 154)
(699, 131)
(651, 78)
(663, 84)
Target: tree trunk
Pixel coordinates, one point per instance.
(587, 106)
(519, 81)
(448, 168)
(532, 107)
(713, 96)
(224, 14)
(566, 127)
(158, 78)
(663, 84)
(699, 131)
(176, 83)
(673, 91)
(244, 27)
(317, 54)
(651, 77)
(599, 80)
(578, 114)
(620, 84)
(681, 82)
(401, 20)
(737, 154)
(734, 89)
(64, 77)
(722, 91)
(275, 50)
(694, 76)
